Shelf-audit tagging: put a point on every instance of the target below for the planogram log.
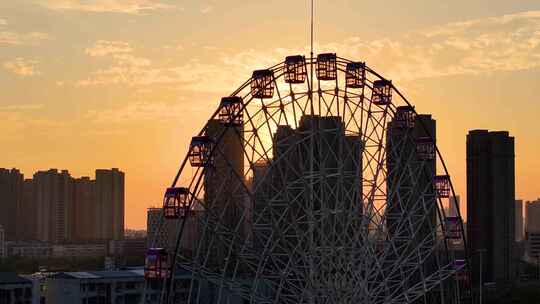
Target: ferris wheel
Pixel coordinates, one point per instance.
(316, 181)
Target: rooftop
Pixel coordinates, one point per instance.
(12, 278)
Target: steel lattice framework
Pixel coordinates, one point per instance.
(314, 182)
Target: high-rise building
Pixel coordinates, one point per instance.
(84, 215)
(109, 204)
(162, 233)
(53, 193)
(11, 183)
(454, 205)
(491, 204)
(532, 231)
(519, 220)
(410, 212)
(27, 213)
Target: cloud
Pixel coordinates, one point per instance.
(207, 9)
(14, 38)
(106, 47)
(3, 22)
(480, 46)
(112, 6)
(22, 67)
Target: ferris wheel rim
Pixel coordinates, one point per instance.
(278, 67)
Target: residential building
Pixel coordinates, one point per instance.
(31, 249)
(15, 289)
(519, 220)
(27, 213)
(3, 252)
(11, 184)
(162, 232)
(109, 204)
(53, 192)
(491, 205)
(84, 214)
(532, 233)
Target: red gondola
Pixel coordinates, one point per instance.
(176, 203)
(326, 66)
(452, 229)
(262, 84)
(382, 92)
(442, 186)
(157, 264)
(355, 75)
(405, 117)
(295, 69)
(200, 150)
(230, 112)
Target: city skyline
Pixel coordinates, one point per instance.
(130, 94)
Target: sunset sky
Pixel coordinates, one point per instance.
(89, 84)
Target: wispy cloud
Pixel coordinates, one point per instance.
(207, 9)
(106, 47)
(22, 67)
(487, 45)
(112, 6)
(504, 43)
(14, 38)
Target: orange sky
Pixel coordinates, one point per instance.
(126, 83)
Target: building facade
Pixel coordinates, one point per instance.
(11, 184)
(53, 201)
(491, 205)
(3, 252)
(54, 207)
(15, 289)
(109, 204)
(532, 231)
(519, 221)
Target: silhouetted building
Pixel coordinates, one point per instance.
(53, 194)
(532, 233)
(532, 216)
(519, 221)
(11, 183)
(224, 195)
(3, 252)
(84, 218)
(15, 289)
(27, 213)
(318, 153)
(491, 204)
(411, 214)
(109, 204)
(162, 232)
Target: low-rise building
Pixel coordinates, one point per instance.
(114, 287)
(128, 247)
(79, 250)
(39, 249)
(30, 249)
(15, 289)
